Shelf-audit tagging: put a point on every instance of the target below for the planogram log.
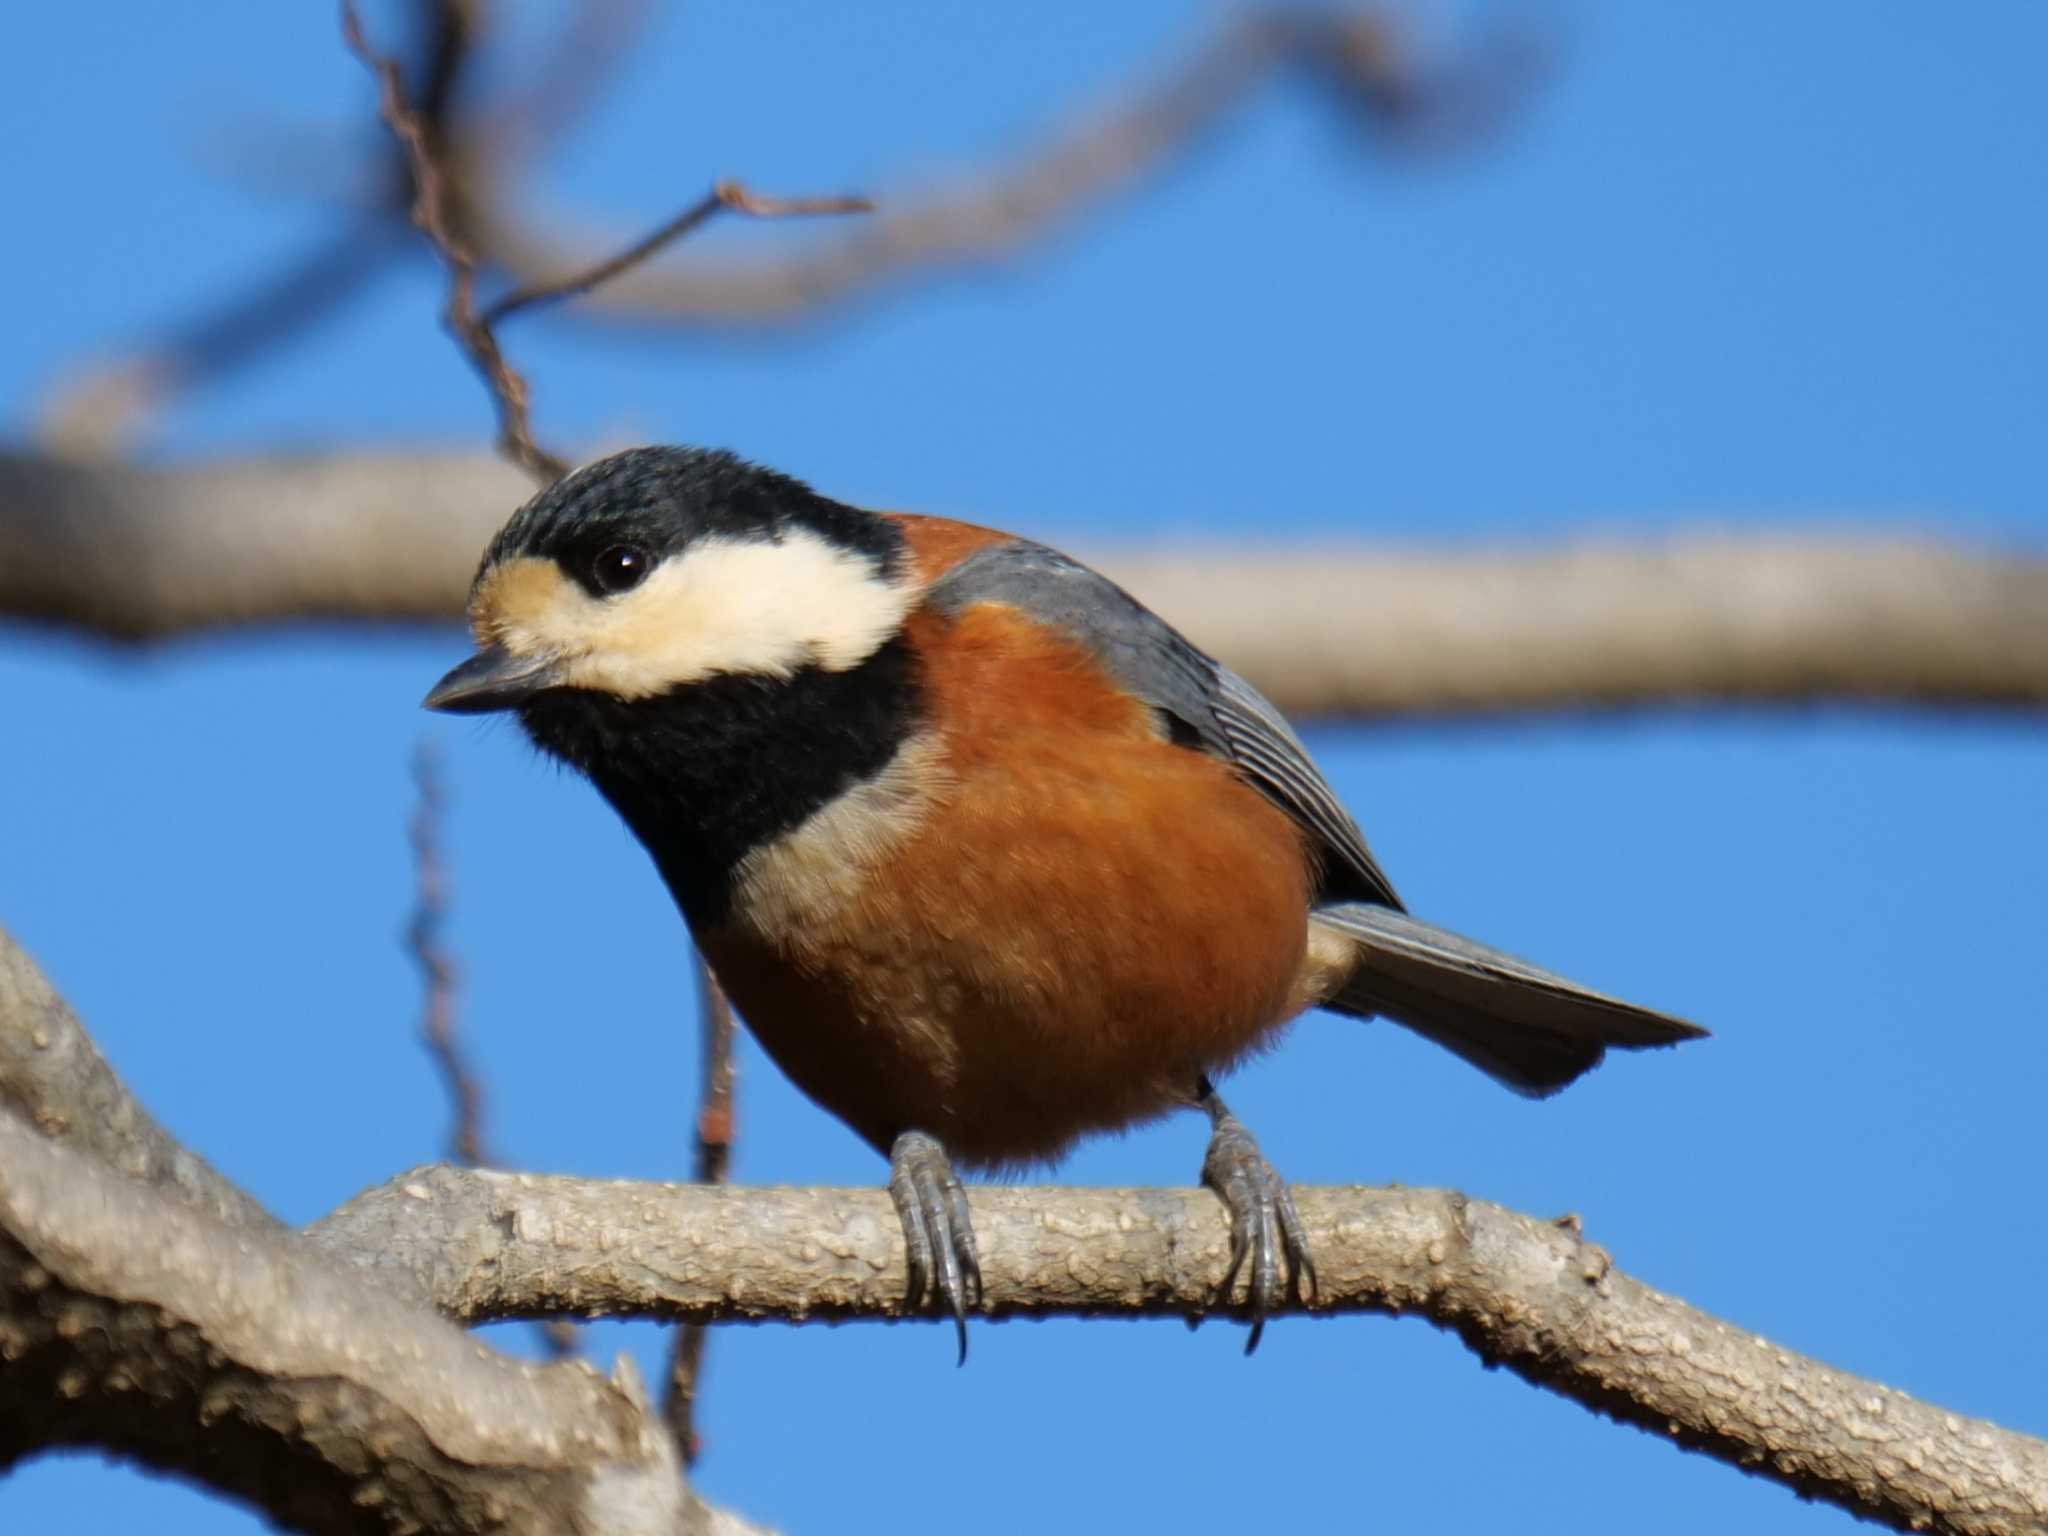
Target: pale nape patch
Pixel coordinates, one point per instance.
(719, 605)
(799, 887)
(1327, 964)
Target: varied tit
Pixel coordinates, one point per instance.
(985, 853)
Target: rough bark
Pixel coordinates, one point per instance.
(1528, 1294)
(150, 1308)
(53, 1076)
(138, 553)
(323, 1375)
(140, 1325)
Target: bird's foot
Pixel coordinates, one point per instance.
(1265, 1228)
(937, 1228)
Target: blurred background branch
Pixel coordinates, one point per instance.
(1358, 62)
(144, 554)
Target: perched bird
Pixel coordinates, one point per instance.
(985, 853)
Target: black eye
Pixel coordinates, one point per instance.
(620, 568)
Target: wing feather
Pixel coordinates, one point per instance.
(1223, 714)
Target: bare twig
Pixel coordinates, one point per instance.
(424, 937)
(101, 408)
(716, 1124)
(727, 196)
(1357, 60)
(716, 1129)
(437, 970)
(432, 211)
(474, 330)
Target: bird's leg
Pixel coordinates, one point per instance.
(1264, 1225)
(937, 1228)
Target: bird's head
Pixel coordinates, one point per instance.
(660, 568)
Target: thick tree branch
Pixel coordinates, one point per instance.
(258, 1359)
(142, 1326)
(1528, 1294)
(54, 1078)
(144, 553)
(150, 1308)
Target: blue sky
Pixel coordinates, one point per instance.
(1740, 264)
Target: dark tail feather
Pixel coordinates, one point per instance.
(1523, 1027)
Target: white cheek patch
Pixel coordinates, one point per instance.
(718, 606)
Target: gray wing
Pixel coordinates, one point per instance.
(1207, 706)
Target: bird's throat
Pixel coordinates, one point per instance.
(706, 774)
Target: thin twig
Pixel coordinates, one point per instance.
(716, 1122)
(473, 330)
(716, 1128)
(1357, 60)
(105, 404)
(432, 212)
(727, 196)
(466, 1143)
(423, 937)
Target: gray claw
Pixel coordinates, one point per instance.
(938, 1230)
(1265, 1227)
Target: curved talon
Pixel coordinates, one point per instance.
(1265, 1226)
(1294, 1240)
(938, 1229)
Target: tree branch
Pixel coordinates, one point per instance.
(436, 184)
(150, 1308)
(480, 147)
(257, 1358)
(138, 553)
(433, 211)
(241, 1358)
(103, 405)
(717, 1128)
(54, 1078)
(1356, 59)
(1528, 1294)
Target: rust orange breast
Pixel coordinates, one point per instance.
(1079, 920)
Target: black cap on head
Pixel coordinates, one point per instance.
(663, 498)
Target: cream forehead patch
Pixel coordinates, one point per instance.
(716, 606)
(514, 595)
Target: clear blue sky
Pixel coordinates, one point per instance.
(1742, 263)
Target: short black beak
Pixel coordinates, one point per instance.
(492, 679)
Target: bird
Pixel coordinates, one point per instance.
(986, 854)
